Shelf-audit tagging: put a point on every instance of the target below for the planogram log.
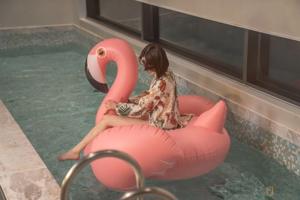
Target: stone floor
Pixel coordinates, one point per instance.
(23, 175)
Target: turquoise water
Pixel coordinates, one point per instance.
(45, 89)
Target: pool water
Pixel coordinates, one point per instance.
(45, 89)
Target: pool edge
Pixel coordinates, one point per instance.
(23, 173)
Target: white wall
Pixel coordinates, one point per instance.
(276, 17)
(79, 10)
(15, 13)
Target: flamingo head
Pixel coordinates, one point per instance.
(95, 68)
(120, 52)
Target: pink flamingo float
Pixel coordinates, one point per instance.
(162, 154)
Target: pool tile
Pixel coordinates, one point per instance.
(19, 159)
(34, 184)
(18, 154)
(23, 175)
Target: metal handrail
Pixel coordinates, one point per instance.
(2, 196)
(148, 190)
(97, 155)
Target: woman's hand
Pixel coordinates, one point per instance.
(144, 93)
(135, 99)
(110, 105)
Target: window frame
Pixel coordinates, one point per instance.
(255, 53)
(258, 71)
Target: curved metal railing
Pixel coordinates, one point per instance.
(97, 155)
(2, 196)
(148, 190)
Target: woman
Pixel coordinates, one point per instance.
(157, 106)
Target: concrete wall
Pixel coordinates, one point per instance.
(15, 13)
(276, 17)
(79, 10)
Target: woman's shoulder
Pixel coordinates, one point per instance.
(169, 73)
(169, 76)
(168, 79)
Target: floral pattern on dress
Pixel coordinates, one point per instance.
(159, 104)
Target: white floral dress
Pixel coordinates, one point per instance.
(159, 104)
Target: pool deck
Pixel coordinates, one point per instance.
(23, 174)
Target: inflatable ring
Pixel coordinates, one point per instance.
(162, 154)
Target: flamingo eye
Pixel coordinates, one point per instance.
(101, 52)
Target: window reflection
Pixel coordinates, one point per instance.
(212, 40)
(123, 12)
(284, 61)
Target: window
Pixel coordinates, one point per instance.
(120, 13)
(279, 66)
(266, 62)
(217, 44)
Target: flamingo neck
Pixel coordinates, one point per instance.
(124, 83)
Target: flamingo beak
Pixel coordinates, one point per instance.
(102, 87)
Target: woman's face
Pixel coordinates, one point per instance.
(151, 71)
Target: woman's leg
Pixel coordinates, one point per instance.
(106, 122)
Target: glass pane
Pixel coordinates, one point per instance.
(215, 41)
(284, 62)
(123, 12)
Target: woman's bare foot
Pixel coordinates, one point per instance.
(70, 155)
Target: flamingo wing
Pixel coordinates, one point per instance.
(151, 147)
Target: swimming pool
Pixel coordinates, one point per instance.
(42, 83)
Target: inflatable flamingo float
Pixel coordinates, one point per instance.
(162, 154)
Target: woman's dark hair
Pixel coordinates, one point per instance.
(154, 57)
